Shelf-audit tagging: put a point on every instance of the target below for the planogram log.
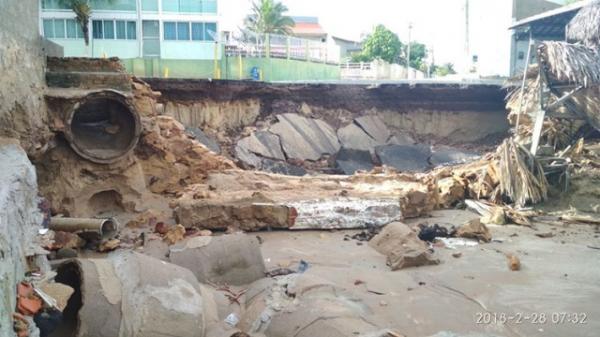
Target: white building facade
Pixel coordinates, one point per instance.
(168, 29)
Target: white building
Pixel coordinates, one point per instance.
(169, 29)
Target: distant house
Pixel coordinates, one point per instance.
(547, 26)
(308, 27)
(347, 47)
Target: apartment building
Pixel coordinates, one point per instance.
(166, 29)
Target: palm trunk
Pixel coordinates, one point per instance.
(86, 31)
(83, 13)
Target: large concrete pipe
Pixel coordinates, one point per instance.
(103, 127)
(134, 295)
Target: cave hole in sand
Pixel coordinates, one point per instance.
(106, 203)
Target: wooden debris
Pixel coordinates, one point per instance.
(521, 177)
(575, 218)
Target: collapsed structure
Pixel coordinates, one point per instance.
(125, 153)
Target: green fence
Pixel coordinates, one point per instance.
(234, 68)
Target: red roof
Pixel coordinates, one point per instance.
(308, 29)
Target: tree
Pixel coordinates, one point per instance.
(418, 53)
(441, 71)
(381, 44)
(268, 17)
(83, 11)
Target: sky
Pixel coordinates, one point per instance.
(440, 24)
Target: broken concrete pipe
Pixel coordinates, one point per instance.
(103, 127)
(234, 259)
(131, 294)
(102, 228)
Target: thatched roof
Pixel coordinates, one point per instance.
(585, 26)
(570, 63)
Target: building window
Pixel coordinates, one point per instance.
(131, 30)
(190, 6)
(180, 31)
(521, 55)
(183, 31)
(97, 29)
(114, 29)
(114, 5)
(109, 29)
(61, 29)
(126, 30)
(73, 28)
(150, 5)
(204, 31)
(170, 29)
(210, 31)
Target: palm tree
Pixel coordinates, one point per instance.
(267, 17)
(83, 11)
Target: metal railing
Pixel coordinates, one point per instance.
(377, 70)
(249, 44)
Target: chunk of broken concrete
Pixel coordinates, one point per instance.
(345, 212)
(375, 127)
(449, 155)
(416, 203)
(305, 138)
(402, 247)
(174, 234)
(204, 139)
(411, 158)
(474, 229)
(281, 167)
(250, 160)
(354, 138)
(348, 161)
(264, 144)
(451, 191)
(248, 214)
(66, 240)
(233, 259)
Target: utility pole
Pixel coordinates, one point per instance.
(467, 46)
(410, 26)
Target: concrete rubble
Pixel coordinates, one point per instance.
(237, 206)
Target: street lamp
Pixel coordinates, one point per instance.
(410, 26)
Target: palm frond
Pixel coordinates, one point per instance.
(572, 63)
(585, 26)
(267, 16)
(521, 176)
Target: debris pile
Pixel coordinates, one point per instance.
(171, 160)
